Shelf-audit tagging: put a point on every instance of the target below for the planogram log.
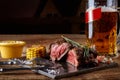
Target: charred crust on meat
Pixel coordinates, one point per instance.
(78, 52)
(59, 47)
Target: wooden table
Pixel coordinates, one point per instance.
(45, 39)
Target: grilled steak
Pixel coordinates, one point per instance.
(76, 55)
(58, 50)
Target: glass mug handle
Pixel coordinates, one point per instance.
(118, 23)
(118, 26)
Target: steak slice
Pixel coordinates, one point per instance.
(53, 53)
(58, 50)
(75, 56)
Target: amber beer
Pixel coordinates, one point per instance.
(104, 32)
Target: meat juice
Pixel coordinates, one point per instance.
(104, 33)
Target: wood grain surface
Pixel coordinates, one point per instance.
(46, 39)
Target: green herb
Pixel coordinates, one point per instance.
(76, 44)
(86, 51)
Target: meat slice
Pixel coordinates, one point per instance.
(62, 50)
(75, 56)
(58, 50)
(53, 53)
(90, 60)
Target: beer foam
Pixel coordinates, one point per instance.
(108, 9)
(89, 9)
(104, 9)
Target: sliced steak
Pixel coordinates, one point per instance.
(58, 50)
(53, 53)
(75, 56)
(90, 60)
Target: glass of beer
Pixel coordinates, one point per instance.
(101, 25)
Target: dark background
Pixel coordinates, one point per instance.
(24, 17)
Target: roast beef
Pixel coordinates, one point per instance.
(91, 59)
(58, 50)
(75, 54)
(76, 57)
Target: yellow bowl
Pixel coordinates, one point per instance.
(11, 49)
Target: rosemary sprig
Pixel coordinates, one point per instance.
(76, 44)
(86, 51)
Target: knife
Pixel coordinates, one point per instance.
(25, 67)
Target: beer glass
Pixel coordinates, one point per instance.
(101, 25)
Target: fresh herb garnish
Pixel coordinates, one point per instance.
(86, 51)
(76, 44)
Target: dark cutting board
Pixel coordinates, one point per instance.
(63, 69)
